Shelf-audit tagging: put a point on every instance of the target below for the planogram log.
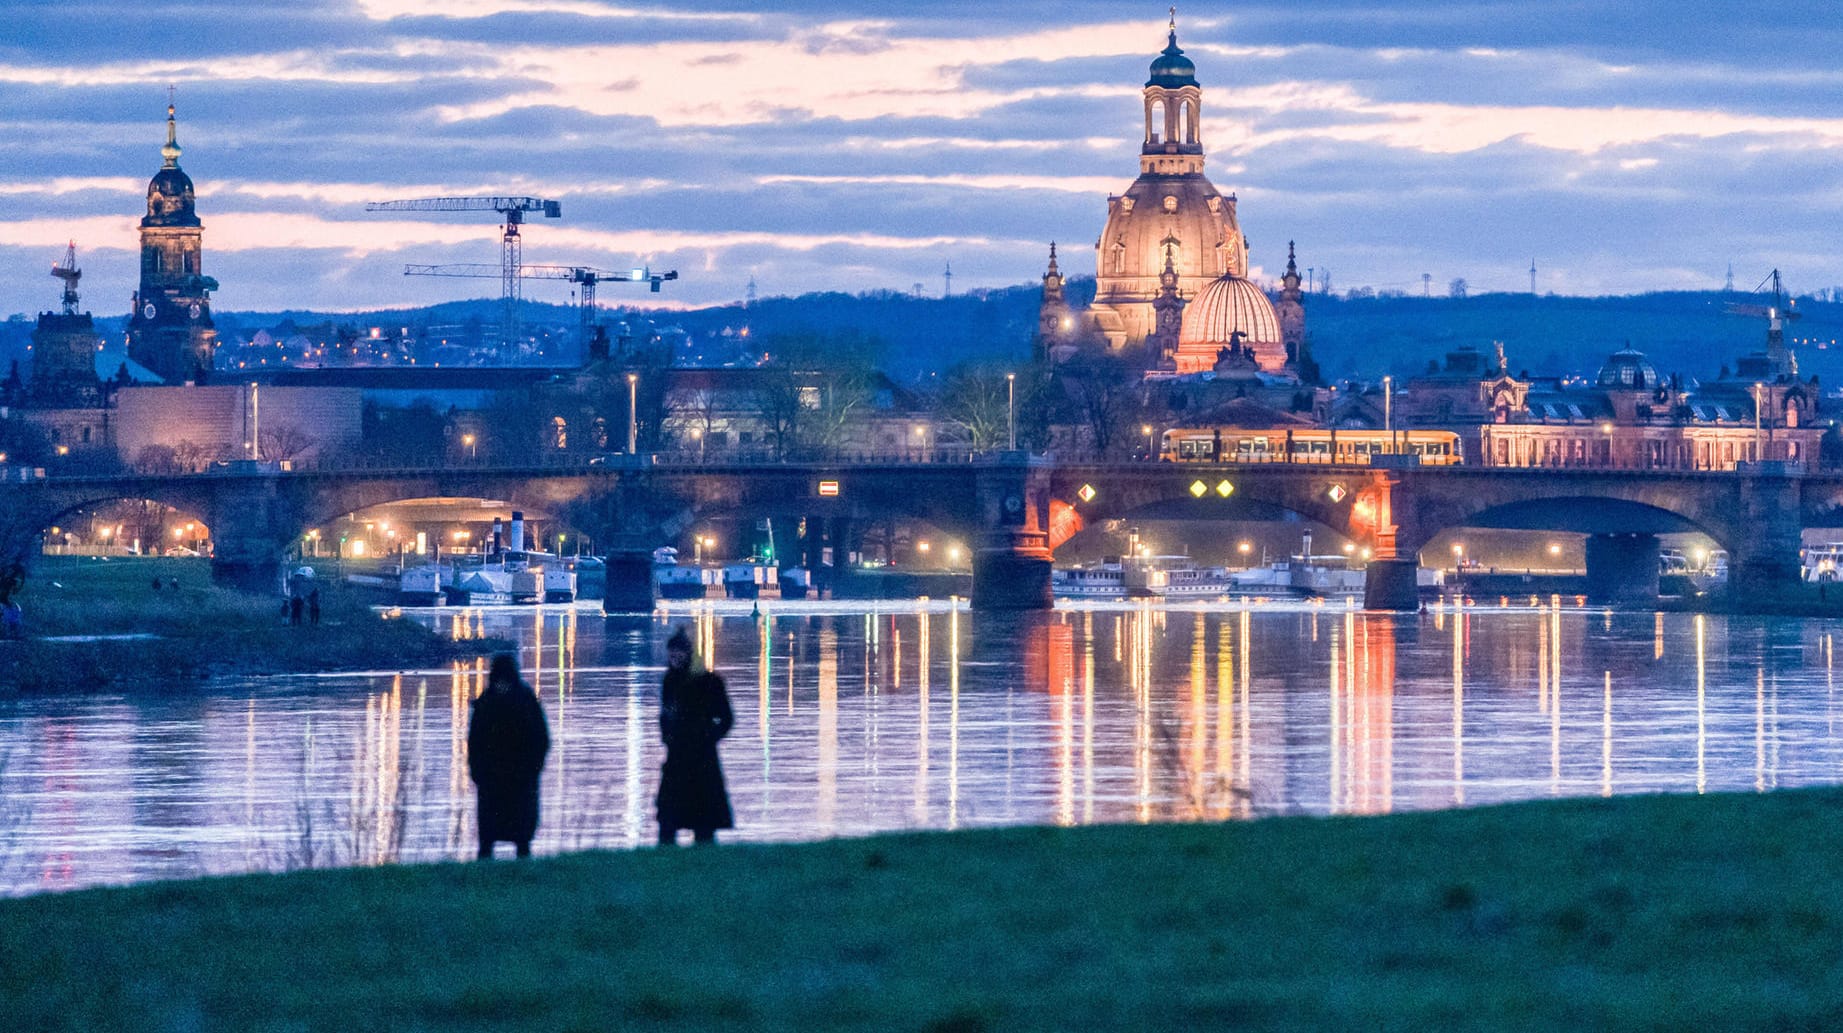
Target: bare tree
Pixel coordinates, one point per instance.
(285, 442)
(1456, 289)
(976, 400)
(1102, 394)
(191, 456)
(781, 406)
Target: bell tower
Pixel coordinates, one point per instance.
(170, 330)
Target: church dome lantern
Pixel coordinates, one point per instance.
(1171, 69)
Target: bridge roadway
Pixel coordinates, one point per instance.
(1016, 508)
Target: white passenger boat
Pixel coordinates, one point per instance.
(421, 586)
(1190, 582)
(751, 580)
(1103, 581)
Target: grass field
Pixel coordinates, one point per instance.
(198, 630)
(1659, 913)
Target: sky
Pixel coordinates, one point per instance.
(1624, 147)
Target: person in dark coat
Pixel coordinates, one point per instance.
(694, 715)
(313, 607)
(507, 739)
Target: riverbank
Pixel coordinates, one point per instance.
(1717, 912)
(99, 624)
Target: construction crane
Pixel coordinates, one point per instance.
(511, 257)
(70, 274)
(584, 277)
(1776, 315)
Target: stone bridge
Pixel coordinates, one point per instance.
(1016, 508)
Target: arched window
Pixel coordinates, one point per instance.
(1155, 123)
(1791, 411)
(1187, 123)
(559, 433)
(599, 432)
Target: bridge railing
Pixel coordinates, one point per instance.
(551, 461)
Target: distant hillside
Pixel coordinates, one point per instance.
(1682, 332)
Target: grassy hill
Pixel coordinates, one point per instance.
(1638, 913)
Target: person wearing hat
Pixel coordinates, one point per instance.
(507, 740)
(694, 715)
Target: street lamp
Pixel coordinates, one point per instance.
(633, 411)
(1011, 411)
(1756, 422)
(1388, 409)
(1146, 429)
(1458, 555)
(469, 440)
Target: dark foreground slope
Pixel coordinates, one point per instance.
(1641, 913)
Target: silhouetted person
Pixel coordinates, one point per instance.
(694, 715)
(507, 739)
(173, 584)
(156, 584)
(295, 605)
(313, 607)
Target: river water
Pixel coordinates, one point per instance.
(853, 720)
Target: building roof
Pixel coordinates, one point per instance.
(1171, 69)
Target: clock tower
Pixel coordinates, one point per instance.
(170, 331)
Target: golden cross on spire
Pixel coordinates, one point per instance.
(1173, 17)
(171, 89)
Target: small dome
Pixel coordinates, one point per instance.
(171, 182)
(1172, 69)
(1229, 305)
(1628, 369)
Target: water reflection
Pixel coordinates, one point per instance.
(928, 716)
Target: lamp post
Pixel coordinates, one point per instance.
(1146, 429)
(1011, 412)
(469, 440)
(1388, 409)
(1757, 455)
(633, 412)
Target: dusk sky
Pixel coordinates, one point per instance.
(856, 146)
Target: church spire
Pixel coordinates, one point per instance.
(171, 151)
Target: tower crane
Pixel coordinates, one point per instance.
(511, 258)
(68, 272)
(1781, 311)
(584, 277)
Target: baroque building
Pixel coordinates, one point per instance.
(1171, 262)
(1171, 214)
(170, 330)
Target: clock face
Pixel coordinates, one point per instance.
(195, 310)
(148, 311)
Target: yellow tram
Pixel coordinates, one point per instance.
(1294, 445)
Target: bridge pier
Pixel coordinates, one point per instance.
(631, 588)
(250, 533)
(1764, 561)
(1011, 566)
(1392, 585)
(1012, 572)
(1622, 568)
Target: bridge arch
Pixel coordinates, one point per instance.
(1348, 502)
